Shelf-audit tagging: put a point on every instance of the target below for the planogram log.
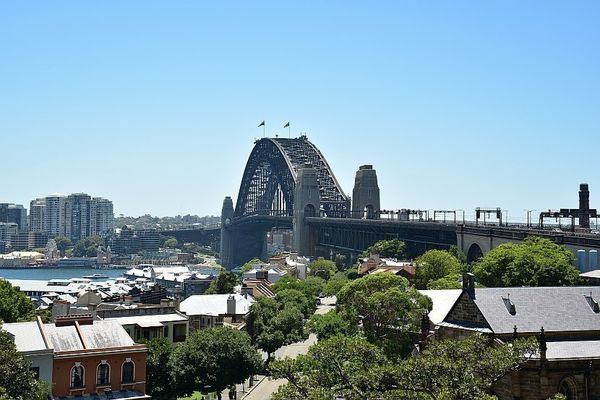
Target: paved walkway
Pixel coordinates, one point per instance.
(264, 389)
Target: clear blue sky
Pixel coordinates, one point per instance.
(155, 105)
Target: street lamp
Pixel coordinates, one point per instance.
(463, 214)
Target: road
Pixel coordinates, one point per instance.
(267, 387)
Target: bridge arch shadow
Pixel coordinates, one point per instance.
(474, 253)
(310, 211)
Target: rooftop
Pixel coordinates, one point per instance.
(215, 304)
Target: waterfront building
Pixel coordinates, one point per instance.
(77, 216)
(101, 217)
(54, 218)
(7, 230)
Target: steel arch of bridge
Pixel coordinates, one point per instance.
(270, 177)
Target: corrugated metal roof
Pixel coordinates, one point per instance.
(63, 338)
(156, 320)
(27, 336)
(583, 349)
(103, 334)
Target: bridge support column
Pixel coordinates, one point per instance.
(365, 196)
(307, 203)
(226, 250)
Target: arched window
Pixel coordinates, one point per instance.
(103, 373)
(127, 375)
(77, 376)
(568, 387)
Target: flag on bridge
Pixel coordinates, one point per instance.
(261, 124)
(287, 125)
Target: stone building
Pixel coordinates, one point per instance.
(566, 321)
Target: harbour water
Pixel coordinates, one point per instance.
(58, 273)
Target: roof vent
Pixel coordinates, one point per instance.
(593, 303)
(510, 306)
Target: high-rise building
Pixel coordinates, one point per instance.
(37, 215)
(14, 213)
(54, 219)
(77, 216)
(101, 216)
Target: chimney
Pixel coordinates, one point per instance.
(543, 345)
(231, 305)
(468, 283)
(424, 331)
(584, 206)
(60, 308)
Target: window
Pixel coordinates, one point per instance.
(77, 376)
(127, 375)
(103, 374)
(568, 387)
(166, 331)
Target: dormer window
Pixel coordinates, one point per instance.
(593, 303)
(510, 306)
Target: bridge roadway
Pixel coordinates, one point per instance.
(354, 235)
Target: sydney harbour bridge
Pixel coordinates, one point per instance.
(287, 183)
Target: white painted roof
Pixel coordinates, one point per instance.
(148, 320)
(27, 336)
(214, 304)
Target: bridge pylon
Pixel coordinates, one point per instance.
(365, 196)
(307, 203)
(225, 252)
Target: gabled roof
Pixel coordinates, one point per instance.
(214, 304)
(443, 300)
(557, 309)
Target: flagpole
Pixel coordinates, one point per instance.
(264, 128)
(289, 131)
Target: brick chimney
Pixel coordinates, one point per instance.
(468, 283)
(231, 305)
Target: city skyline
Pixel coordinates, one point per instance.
(455, 105)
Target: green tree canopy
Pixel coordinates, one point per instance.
(433, 265)
(63, 243)
(88, 247)
(223, 284)
(322, 268)
(390, 310)
(212, 360)
(534, 262)
(250, 264)
(312, 286)
(295, 298)
(333, 323)
(352, 368)
(14, 304)
(393, 248)
(272, 324)
(170, 243)
(332, 368)
(159, 382)
(335, 284)
(17, 381)
(451, 281)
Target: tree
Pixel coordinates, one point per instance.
(459, 254)
(452, 369)
(159, 382)
(63, 243)
(322, 268)
(390, 310)
(271, 325)
(312, 286)
(335, 284)
(534, 262)
(332, 368)
(212, 360)
(340, 262)
(17, 381)
(298, 299)
(451, 281)
(250, 264)
(393, 248)
(14, 304)
(433, 265)
(170, 243)
(352, 368)
(333, 323)
(88, 247)
(223, 284)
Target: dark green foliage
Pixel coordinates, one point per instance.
(159, 382)
(340, 262)
(273, 324)
(393, 248)
(223, 284)
(389, 309)
(288, 298)
(322, 268)
(17, 382)
(460, 255)
(212, 360)
(335, 284)
(311, 286)
(451, 281)
(534, 262)
(433, 265)
(63, 243)
(170, 243)
(88, 247)
(14, 305)
(250, 264)
(333, 323)
(352, 368)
